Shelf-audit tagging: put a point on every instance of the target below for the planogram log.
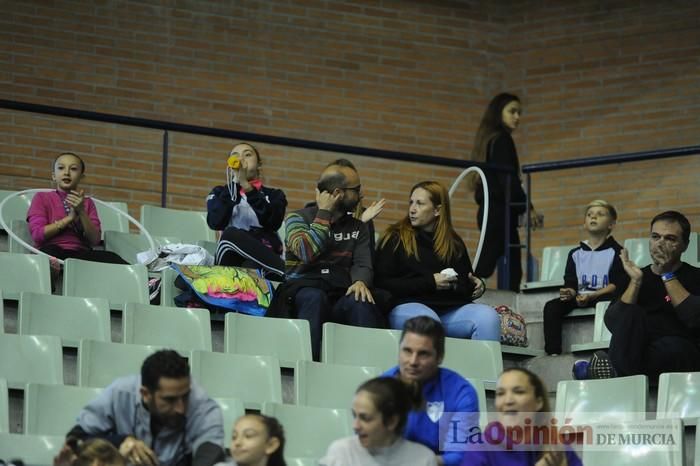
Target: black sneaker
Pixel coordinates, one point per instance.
(600, 366)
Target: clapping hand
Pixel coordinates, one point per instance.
(634, 272)
(373, 210)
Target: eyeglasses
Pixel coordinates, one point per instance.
(357, 189)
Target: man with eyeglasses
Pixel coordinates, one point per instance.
(655, 325)
(328, 259)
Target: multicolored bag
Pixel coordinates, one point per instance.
(513, 327)
(228, 288)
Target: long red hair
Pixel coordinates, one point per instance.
(448, 245)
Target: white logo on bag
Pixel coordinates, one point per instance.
(435, 409)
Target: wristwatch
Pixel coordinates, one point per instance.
(667, 277)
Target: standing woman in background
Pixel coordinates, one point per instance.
(493, 144)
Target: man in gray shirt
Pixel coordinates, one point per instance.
(160, 417)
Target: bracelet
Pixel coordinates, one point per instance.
(666, 277)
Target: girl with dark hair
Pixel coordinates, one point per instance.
(249, 214)
(494, 144)
(380, 411)
(64, 223)
(424, 264)
(257, 440)
(522, 400)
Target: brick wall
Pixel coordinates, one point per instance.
(600, 78)
(400, 75)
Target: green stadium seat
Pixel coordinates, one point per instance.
(329, 385)
(189, 226)
(309, 430)
(99, 363)
(604, 400)
(376, 348)
(231, 409)
(678, 397)
(53, 409)
(68, 317)
(601, 334)
(252, 379)
(167, 327)
(17, 207)
(111, 220)
(288, 340)
(24, 272)
(552, 268)
(120, 284)
(474, 359)
(34, 450)
(4, 407)
(36, 358)
(21, 229)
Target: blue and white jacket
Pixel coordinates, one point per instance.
(446, 393)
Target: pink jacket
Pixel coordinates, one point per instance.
(46, 208)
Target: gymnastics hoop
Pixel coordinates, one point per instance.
(36, 251)
(485, 220)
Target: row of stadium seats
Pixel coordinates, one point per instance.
(51, 409)
(191, 226)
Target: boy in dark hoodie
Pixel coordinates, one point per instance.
(593, 272)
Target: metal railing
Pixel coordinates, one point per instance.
(167, 126)
(529, 169)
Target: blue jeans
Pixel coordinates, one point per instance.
(315, 306)
(475, 321)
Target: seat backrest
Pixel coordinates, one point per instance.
(2, 312)
(329, 385)
(678, 397)
(603, 400)
(665, 450)
(99, 363)
(474, 359)
(34, 450)
(600, 330)
(252, 379)
(111, 220)
(359, 346)
(168, 290)
(189, 226)
(301, 461)
(21, 229)
(289, 340)
(126, 245)
(120, 284)
(17, 207)
(554, 262)
(4, 407)
(24, 272)
(638, 250)
(168, 327)
(309, 430)
(691, 254)
(25, 359)
(481, 397)
(67, 317)
(52, 409)
(231, 409)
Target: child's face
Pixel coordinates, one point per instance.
(67, 172)
(248, 159)
(250, 443)
(598, 219)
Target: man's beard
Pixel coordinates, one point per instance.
(348, 205)
(172, 421)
